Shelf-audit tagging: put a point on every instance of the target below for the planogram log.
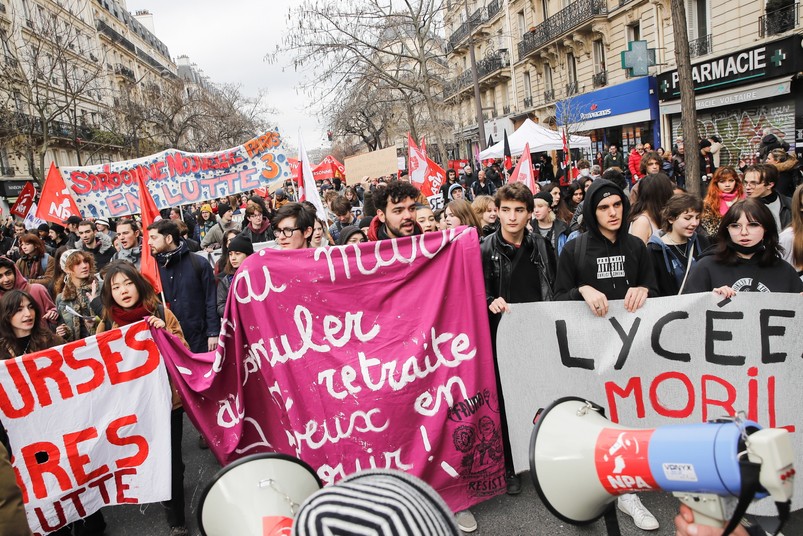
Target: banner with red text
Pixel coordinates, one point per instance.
(176, 177)
(89, 425)
(681, 359)
(394, 379)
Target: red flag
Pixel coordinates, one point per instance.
(524, 170)
(150, 214)
(56, 203)
(434, 178)
(424, 146)
(567, 171)
(508, 163)
(416, 163)
(24, 201)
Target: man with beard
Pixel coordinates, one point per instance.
(395, 212)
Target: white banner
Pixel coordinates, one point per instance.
(89, 424)
(676, 360)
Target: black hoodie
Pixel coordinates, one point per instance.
(591, 259)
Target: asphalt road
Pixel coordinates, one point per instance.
(523, 514)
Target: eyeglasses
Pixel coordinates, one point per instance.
(738, 227)
(752, 184)
(287, 231)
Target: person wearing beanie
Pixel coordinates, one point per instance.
(707, 167)
(376, 502)
(239, 248)
(351, 234)
(608, 263)
(213, 238)
(206, 220)
(280, 199)
(456, 191)
(102, 226)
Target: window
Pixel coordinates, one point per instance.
(571, 68)
(698, 19)
(545, 8)
(522, 23)
(599, 56)
(547, 77)
(634, 32)
(528, 85)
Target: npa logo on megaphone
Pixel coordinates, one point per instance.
(622, 460)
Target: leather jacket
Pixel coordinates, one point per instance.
(497, 265)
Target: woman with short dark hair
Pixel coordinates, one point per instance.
(747, 256)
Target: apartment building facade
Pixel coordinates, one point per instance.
(559, 62)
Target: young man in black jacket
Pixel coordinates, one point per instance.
(519, 267)
(607, 263)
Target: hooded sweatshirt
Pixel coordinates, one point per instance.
(377, 230)
(591, 259)
(39, 293)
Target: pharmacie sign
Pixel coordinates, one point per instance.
(766, 61)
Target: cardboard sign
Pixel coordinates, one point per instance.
(392, 380)
(89, 425)
(374, 164)
(681, 359)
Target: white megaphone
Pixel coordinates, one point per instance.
(257, 495)
(580, 462)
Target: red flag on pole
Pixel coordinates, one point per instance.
(424, 146)
(24, 201)
(56, 204)
(308, 190)
(568, 176)
(150, 214)
(524, 170)
(508, 162)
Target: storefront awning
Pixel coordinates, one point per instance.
(736, 96)
(615, 120)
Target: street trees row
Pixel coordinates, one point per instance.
(376, 68)
(59, 89)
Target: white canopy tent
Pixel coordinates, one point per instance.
(539, 138)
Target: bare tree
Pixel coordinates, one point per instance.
(231, 117)
(396, 43)
(688, 119)
(47, 77)
(174, 112)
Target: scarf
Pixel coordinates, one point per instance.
(34, 265)
(82, 327)
(123, 317)
(724, 199)
(746, 250)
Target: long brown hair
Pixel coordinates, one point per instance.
(462, 209)
(41, 337)
(65, 286)
(756, 211)
(147, 296)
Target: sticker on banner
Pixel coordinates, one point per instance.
(622, 460)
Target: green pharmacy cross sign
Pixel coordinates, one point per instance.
(638, 58)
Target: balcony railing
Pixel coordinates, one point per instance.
(112, 34)
(600, 79)
(701, 46)
(492, 63)
(528, 102)
(549, 95)
(506, 110)
(457, 37)
(572, 88)
(122, 70)
(494, 8)
(778, 21)
(561, 23)
(7, 171)
(464, 80)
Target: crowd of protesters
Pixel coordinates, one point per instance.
(620, 228)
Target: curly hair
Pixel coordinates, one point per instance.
(65, 286)
(394, 192)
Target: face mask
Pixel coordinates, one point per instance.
(585, 172)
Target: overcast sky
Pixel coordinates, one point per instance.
(228, 41)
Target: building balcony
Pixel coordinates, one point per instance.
(7, 171)
(494, 8)
(491, 70)
(528, 102)
(115, 37)
(125, 72)
(568, 20)
(701, 46)
(549, 95)
(572, 88)
(778, 21)
(458, 38)
(506, 110)
(600, 79)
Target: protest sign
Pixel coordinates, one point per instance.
(329, 168)
(31, 222)
(676, 360)
(374, 164)
(89, 425)
(401, 378)
(435, 201)
(176, 177)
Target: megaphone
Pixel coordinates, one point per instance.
(255, 496)
(580, 462)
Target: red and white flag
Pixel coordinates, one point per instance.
(307, 189)
(425, 174)
(150, 214)
(56, 204)
(25, 201)
(524, 170)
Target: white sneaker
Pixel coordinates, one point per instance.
(465, 521)
(631, 505)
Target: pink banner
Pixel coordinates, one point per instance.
(354, 357)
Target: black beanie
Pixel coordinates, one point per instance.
(602, 192)
(546, 196)
(222, 208)
(347, 232)
(241, 244)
